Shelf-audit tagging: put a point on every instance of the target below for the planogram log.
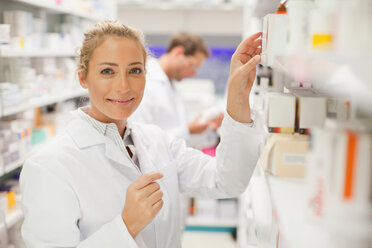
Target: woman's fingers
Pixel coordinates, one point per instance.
(157, 206)
(155, 197)
(150, 189)
(250, 65)
(247, 43)
(252, 49)
(245, 51)
(146, 179)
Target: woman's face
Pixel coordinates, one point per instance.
(115, 79)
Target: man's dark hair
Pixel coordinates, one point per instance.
(190, 42)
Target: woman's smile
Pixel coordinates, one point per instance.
(121, 102)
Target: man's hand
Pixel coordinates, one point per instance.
(197, 126)
(215, 122)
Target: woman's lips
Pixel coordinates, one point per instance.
(121, 102)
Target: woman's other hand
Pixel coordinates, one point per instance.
(143, 202)
(242, 75)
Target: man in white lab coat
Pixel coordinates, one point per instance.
(162, 105)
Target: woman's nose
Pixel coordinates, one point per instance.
(123, 84)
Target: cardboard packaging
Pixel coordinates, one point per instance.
(284, 155)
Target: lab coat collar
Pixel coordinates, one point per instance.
(82, 133)
(84, 136)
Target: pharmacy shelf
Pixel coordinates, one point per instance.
(322, 69)
(13, 216)
(52, 6)
(181, 5)
(18, 163)
(261, 212)
(43, 101)
(340, 76)
(36, 53)
(211, 222)
(13, 166)
(289, 205)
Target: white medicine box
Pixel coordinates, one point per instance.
(281, 113)
(312, 109)
(312, 112)
(274, 37)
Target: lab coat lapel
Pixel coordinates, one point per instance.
(143, 149)
(85, 136)
(122, 162)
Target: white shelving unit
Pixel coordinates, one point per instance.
(36, 53)
(180, 6)
(289, 203)
(279, 216)
(52, 6)
(43, 101)
(167, 18)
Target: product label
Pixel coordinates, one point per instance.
(322, 41)
(294, 159)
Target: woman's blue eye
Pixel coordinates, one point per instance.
(136, 70)
(107, 72)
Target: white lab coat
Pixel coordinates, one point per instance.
(161, 104)
(74, 189)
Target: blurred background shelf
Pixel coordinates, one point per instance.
(17, 164)
(13, 216)
(182, 5)
(36, 53)
(43, 101)
(58, 8)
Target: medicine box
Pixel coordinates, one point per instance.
(311, 109)
(274, 37)
(281, 113)
(285, 155)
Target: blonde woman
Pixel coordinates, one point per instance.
(105, 182)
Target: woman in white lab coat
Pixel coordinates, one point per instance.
(106, 182)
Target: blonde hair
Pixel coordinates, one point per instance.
(98, 34)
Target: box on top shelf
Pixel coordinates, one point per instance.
(274, 37)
